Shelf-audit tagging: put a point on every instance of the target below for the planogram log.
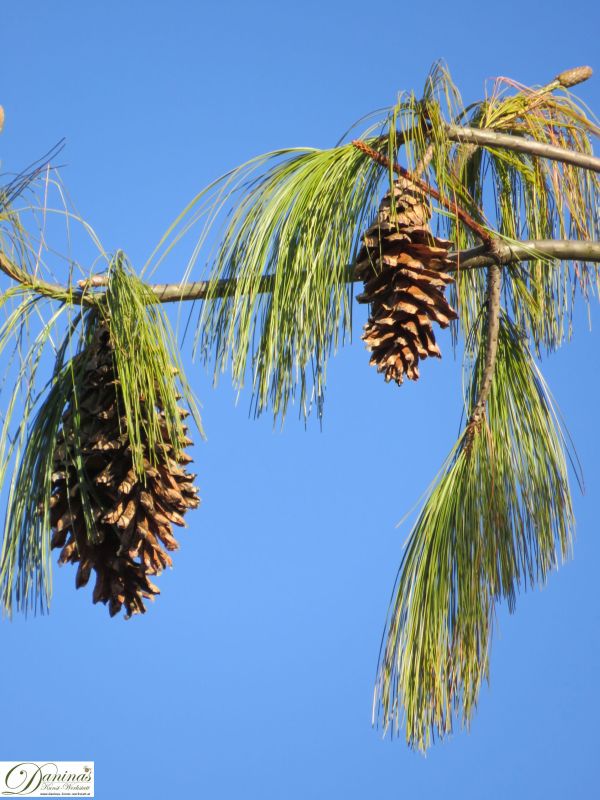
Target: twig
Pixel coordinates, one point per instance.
(463, 215)
(494, 280)
(504, 254)
(53, 290)
(94, 282)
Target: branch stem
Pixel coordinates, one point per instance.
(474, 258)
(484, 137)
(53, 290)
(494, 282)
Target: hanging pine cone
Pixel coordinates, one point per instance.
(132, 517)
(400, 265)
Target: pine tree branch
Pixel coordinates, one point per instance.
(488, 138)
(53, 290)
(566, 79)
(504, 254)
(474, 258)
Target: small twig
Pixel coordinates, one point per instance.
(463, 215)
(53, 290)
(93, 282)
(494, 280)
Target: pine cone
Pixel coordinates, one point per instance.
(400, 265)
(132, 517)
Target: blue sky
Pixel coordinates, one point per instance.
(251, 676)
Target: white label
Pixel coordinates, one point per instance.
(46, 778)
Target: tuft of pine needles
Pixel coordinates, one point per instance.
(38, 335)
(147, 362)
(28, 447)
(300, 222)
(528, 197)
(498, 519)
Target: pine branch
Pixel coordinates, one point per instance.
(53, 290)
(474, 258)
(481, 137)
(488, 138)
(552, 249)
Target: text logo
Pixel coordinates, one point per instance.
(47, 778)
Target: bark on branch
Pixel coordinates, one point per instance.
(487, 138)
(492, 328)
(27, 280)
(475, 258)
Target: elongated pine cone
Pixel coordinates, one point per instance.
(400, 263)
(132, 517)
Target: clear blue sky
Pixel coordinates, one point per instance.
(251, 676)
